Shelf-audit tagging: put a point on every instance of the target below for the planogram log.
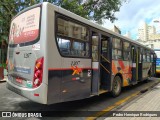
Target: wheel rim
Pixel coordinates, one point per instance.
(116, 87)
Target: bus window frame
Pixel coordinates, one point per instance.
(58, 15)
(33, 41)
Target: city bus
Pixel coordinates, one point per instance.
(57, 56)
(157, 51)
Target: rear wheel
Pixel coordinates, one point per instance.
(116, 86)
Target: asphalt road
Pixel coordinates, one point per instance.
(10, 101)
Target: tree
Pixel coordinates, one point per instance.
(95, 10)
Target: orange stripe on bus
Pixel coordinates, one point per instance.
(121, 65)
(114, 68)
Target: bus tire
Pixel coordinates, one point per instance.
(116, 87)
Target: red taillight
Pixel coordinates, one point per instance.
(38, 72)
(36, 94)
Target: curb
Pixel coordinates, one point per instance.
(121, 103)
(4, 80)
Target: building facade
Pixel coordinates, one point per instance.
(154, 44)
(145, 32)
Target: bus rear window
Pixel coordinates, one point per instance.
(25, 27)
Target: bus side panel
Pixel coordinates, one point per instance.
(76, 78)
(124, 68)
(54, 84)
(53, 59)
(127, 73)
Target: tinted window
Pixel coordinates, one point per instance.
(72, 38)
(71, 29)
(126, 50)
(95, 48)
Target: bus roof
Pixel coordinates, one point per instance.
(83, 20)
(97, 26)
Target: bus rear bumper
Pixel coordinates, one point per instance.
(38, 95)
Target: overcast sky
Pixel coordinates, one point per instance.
(133, 13)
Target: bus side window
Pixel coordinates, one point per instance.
(80, 49)
(144, 56)
(117, 48)
(72, 38)
(64, 46)
(126, 50)
(148, 57)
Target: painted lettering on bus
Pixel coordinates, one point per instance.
(27, 55)
(75, 63)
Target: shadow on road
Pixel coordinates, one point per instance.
(95, 103)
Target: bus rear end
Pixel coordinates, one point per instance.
(157, 51)
(25, 60)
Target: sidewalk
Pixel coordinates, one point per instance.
(145, 105)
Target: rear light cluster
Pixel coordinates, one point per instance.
(38, 72)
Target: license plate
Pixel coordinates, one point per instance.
(19, 80)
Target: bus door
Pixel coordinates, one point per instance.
(95, 64)
(101, 64)
(140, 57)
(134, 65)
(105, 63)
(154, 64)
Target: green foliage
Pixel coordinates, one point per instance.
(3, 65)
(95, 10)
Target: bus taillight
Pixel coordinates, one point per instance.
(38, 72)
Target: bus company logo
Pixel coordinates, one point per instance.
(6, 114)
(21, 114)
(76, 70)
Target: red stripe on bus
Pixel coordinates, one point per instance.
(121, 64)
(65, 68)
(94, 68)
(73, 78)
